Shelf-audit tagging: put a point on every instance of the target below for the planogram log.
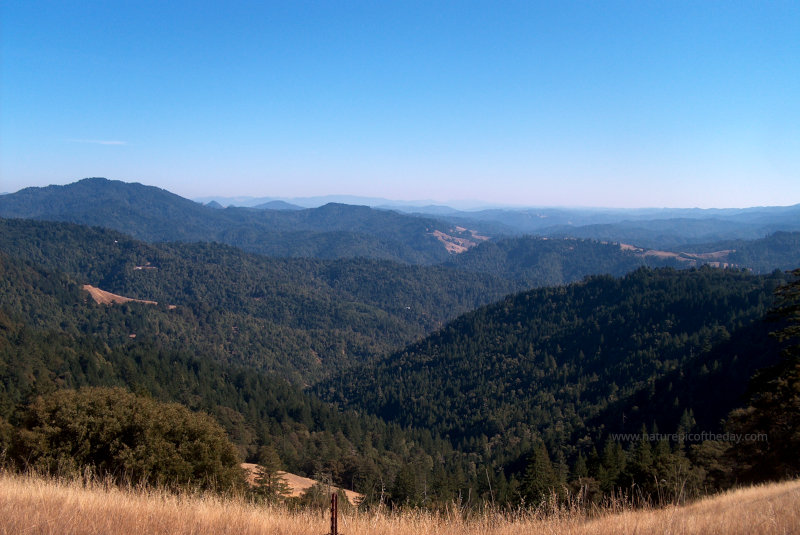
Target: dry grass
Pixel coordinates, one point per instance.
(33, 505)
(298, 484)
(103, 297)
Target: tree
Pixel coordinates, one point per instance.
(127, 438)
(540, 479)
(772, 419)
(5, 438)
(640, 468)
(270, 485)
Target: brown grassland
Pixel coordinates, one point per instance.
(102, 297)
(35, 505)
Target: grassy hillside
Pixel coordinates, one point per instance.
(43, 507)
(535, 261)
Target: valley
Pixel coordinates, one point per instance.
(427, 268)
(491, 366)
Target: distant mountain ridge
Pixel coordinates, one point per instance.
(278, 205)
(465, 240)
(657, 228)
(154, 214)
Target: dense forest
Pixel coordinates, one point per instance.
(50, 340)
(414, 384)
(298, 317)
(152, 214)
(567, 367)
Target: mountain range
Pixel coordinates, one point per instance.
(408, 356)
(330, 231)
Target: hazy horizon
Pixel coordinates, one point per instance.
(312, 201)
(612, 105)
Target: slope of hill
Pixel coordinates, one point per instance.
(53, 336)
(676, 233)
(547, 362)
(153, 214)
(535, 261)
(299, 485)
(302, 318)
(38, 505)
(548, 262)
(563, 364)
(780, 250)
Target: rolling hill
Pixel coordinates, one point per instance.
(299, 317)
(155, 215)
(558, 363)
(54, 336)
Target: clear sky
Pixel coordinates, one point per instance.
(619, 104)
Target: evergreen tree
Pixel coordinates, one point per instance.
(640, 469)
(269, 483)
(612, 466)
(772, 420)
(540, 480)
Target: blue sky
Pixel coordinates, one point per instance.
(618, 104)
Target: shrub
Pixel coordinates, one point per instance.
(126, 437)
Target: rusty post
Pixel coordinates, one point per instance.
(334, 515)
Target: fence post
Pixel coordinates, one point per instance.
(334, 515)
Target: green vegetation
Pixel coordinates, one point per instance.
(774, 404)
(53, 337)
(152, 214)
(569, 366)
(124, 437)
(301, 318)
(356, 373)
(548, 262)
(269, 486)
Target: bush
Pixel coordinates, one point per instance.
(126, 437)
(5, 439)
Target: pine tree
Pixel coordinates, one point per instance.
(640, 467)
(773, 418)
(540, 479)
(269, 484)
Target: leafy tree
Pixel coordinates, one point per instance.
(126, 437)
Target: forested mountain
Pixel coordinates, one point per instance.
(560, 364)
(300, 317)
(648, 228)
(344, 231)
(780, 250)
(153, 214)
(535, 261)
(548, 262)
(675, 233)
(478, 405)
(53, 337)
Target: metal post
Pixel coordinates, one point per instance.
(334, 515)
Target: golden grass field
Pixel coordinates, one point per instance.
(34, 505)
